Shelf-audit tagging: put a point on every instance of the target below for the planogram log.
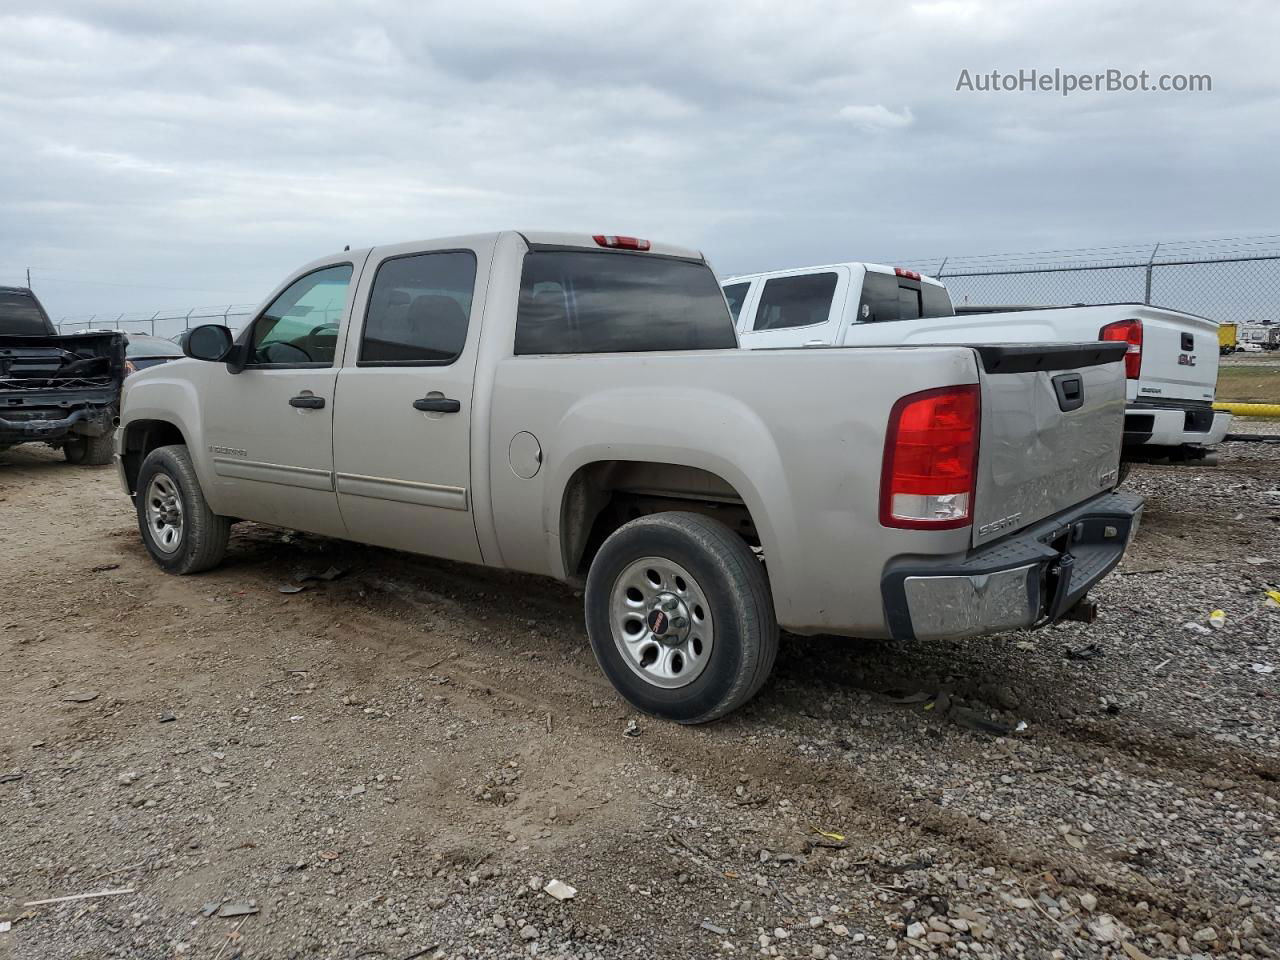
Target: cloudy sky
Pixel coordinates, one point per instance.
(159, 156)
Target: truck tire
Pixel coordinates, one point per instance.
(179, 530)
(680, 616)
(89, 451)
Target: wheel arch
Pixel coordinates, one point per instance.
(602, 494)
(138, 438)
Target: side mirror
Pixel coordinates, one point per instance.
(211, 341)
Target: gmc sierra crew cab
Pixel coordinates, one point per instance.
(1171, 360)
(63, 391)
(576, 406)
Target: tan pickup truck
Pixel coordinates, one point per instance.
(576, 406)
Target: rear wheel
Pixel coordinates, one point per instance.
(179, 530)
(89, 451)
(680, 616)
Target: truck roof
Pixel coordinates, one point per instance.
(870, 267)
(555, 238)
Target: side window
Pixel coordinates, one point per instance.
(736, 294)
(301, 325)
(419, 309)
(795, 301)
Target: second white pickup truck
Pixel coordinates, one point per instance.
(1171, 359)
(576, 406)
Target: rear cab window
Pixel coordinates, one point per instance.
(886, 296)
(22, 316)
(583, 301)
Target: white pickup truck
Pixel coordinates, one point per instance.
(1171, 362)
(576, 406)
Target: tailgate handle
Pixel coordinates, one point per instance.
(1070, 390)
(1188, 341)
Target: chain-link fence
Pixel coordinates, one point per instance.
(161, 323)
(1234, 282)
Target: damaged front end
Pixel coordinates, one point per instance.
(55, 388)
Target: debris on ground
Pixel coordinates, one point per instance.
(104, 567)
(632, 729)
(1217, 619)
(1090, 651)
(87, 696)
(96, 895)
(559, 890)
(237, 909)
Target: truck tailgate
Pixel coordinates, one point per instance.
(1179, 355)
(1052, 422)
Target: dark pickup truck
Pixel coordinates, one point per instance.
(60, 390)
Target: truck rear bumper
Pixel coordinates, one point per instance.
(1032, 577)
(1157, 426)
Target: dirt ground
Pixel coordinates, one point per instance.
(394, 763)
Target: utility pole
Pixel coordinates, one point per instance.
(28, 278)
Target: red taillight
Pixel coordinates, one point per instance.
(931, 459)
(909, 274)
(621, 243)
(1130, 332)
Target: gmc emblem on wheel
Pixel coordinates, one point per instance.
(1186, 359)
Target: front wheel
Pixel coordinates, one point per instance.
(179, 530)
(680, 616)
(89, 451)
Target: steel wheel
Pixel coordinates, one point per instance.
(164, 513)
(661, 622)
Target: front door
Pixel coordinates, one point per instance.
(402, 424)
(269, 427)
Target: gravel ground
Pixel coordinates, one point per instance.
(395, 764)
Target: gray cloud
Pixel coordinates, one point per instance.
(186, 155)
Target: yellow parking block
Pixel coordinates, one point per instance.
(1250, 409)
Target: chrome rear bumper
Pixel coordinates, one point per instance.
(1029, 578)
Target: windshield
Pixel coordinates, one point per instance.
(152, 347)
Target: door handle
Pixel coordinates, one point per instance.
(307, 402)
(437, 405)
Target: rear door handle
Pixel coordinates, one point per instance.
(307, 402)
(437, 405)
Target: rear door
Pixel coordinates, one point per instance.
(1179, 356)
(796, 309)
(1052, 422)
(402, 425)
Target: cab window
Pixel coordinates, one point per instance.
(735, 294)
(300, 327)
(419, 309)
(799, 301)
